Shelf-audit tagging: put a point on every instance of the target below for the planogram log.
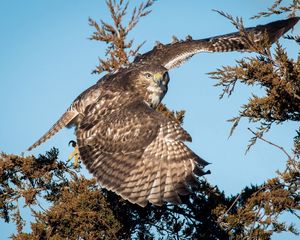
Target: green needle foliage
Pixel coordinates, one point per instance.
(65, 205)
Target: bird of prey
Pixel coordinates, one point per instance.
(130, 147)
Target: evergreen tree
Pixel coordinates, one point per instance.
(80, 209)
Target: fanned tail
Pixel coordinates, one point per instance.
(65, 119)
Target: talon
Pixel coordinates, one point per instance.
(74, 144)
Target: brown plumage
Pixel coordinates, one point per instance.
(65, 119)
(173, 55)
(132, 149)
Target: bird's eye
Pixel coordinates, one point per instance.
(148, 75)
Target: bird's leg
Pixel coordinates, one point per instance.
(74, 154)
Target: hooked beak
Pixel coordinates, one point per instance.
(158, 78)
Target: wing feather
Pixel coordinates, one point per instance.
(152, 166)
(174, 54)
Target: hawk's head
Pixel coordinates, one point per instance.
(153, 83)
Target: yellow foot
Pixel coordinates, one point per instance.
(74, 154)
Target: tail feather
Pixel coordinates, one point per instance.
(65, 119)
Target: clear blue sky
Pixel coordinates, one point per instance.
(46, 60)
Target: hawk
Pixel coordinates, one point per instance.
(132, 149)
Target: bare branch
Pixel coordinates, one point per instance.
(271, 143)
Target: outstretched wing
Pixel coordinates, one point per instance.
(174, 54)
(137, 153)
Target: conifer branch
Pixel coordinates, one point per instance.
(271, 143)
